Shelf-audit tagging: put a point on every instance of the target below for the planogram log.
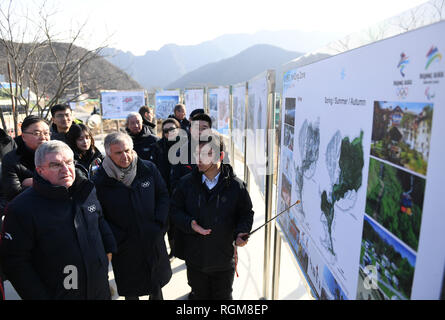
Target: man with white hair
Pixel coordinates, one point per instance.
(135, 203)
(56, 243)
(143, 139)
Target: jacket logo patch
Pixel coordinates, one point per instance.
(7, 236)
(145, 184)
(223, 199)
(92, 208)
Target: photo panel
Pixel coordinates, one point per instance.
(395, 200)
(391, 262)
(289, 111)
(401, 134)
(288, 140)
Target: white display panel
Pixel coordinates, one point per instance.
(219, 108)
(117, 104)
(362, 147)
(165, 103)
(193, 99)
(258, 92)
(239, 115)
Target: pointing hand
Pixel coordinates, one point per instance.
(198, 229)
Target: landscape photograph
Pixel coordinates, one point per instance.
(285, 190)
(394, 263)
(395, 199)
(289, 111)
(288, 137)
(401, 133)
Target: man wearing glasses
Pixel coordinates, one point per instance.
(56, 243)
(62, 117)
(18, 165)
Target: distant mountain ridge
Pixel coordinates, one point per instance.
(157, 69)
(239, 68)
(97, 74)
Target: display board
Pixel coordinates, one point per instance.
(239, 115)
(219, 108)
(193, 99)
(258, 90)
(362, 147)
(165, 103)
(117, 104)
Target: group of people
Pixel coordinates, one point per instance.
(69, 210)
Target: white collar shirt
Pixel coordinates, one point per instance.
(210, 183)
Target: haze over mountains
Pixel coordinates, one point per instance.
(238, 68)
(171, 64)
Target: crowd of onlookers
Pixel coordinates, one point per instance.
(70, 210)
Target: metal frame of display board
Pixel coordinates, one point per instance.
(270, 74)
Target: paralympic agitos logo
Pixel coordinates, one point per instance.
(434, 75)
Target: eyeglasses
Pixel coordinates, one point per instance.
(56, 166)
(39, 133)
(61, 116)
(169, 129)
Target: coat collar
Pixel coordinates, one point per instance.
(80, 189)
(142, 170)
(26, 154)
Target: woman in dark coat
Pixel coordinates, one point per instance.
(18, 165)
(159, 156)
(81, 141)
(135, 203)
(160, 149)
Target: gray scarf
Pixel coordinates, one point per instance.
(124, 175)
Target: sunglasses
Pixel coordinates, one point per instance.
(169, 129)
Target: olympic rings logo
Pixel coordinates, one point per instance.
(402, 92)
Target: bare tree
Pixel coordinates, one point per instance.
(438, 7)
(44, 67)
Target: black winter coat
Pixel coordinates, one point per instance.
(159, 156)
(48, 228)
(137, 216)
(151, 126)
(143, 142)
(226, 210)
(184, 123)
(17, 166)
(7, 144)
(56, 135)
(90, 162)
